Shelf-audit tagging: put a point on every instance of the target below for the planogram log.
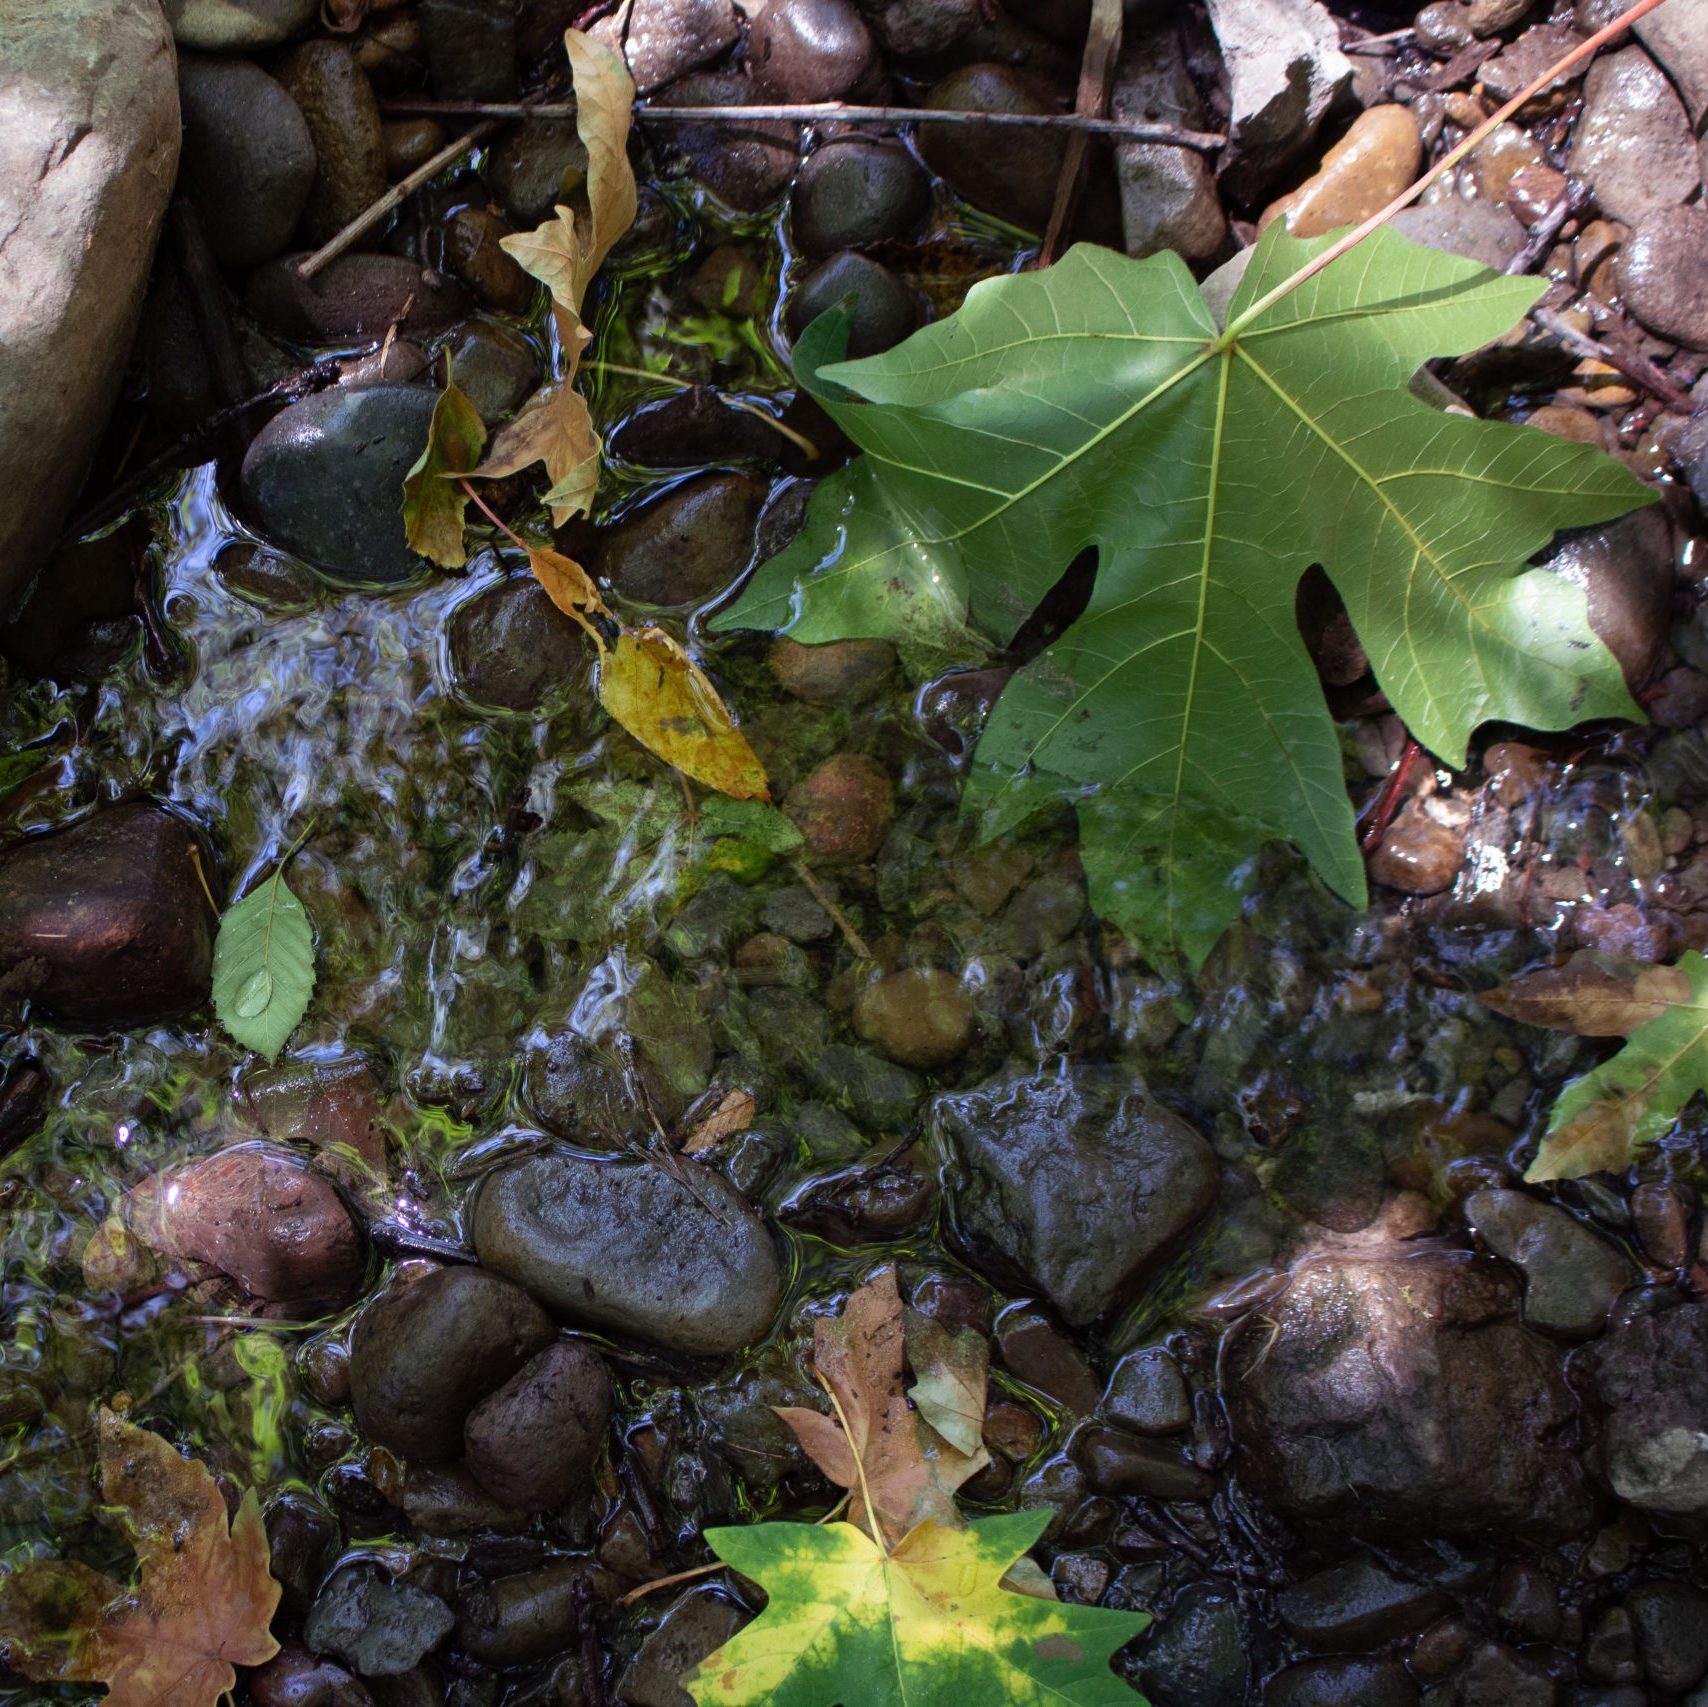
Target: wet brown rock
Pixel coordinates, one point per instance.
(810, 50)
(536, 165)
(446, 1500)
(881, 309)
(296, 1678)
(666, 39)
(866, 1202)
(430, 1347)
(747, 167)
(689, 429)
(472, 252)
(1397, 1392)
(919, 1016)
(259, 1215)
(1424, 848)
(1363, 172)
(356, 296)
(103, 923)
(1011, 173)
(1632, 142)
(693, 1628)
(1663, 274)
(843, 807)
(728, 281)
(334, 96)
(511, 647)
(534, 1440)
(854, 192)
(1626, 569)
(323, 1103)
(1035, 1350)
(1521, 62)
(408, 143)
(1116, 1463)
(686, 546)
(839, 672)
(525, 1616)
(1651, 1375)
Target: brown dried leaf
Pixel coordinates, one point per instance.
(910, 1472)
(1591, 994)
(203, 1604)
(733, 1114)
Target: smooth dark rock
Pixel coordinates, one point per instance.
(1147, 1393)
(429, 1348)
(324, 479)
(1339, 1683)
(103, 923)
(694, 1626)
(535, 165)
(686, 546)
(810, 50)
(523, 1617)
(1651, 1375)
(854, 192)
(268, 577)
(627, 1248)
(746, 167)
(1034, 1350)
(688, 429)
(580, 1092)
(355, 296)
(1116, 1463)
(471, 48)
(1009, 172)
(916, 28)
(1397, 1393)
(296, 1678)
(302, 1541)
(880, 307)
(533, 1440)
(1355, 1605)
(334, 97)
(248, 158)
(377, 1626)
(495, 368)
(1072, 1182)
(1499, 1676)
(1571, 1275)
(1195, 1653)
(474, 252)
(1671, 1625)
(1663, 274)
(511, 647)
(446, 1500)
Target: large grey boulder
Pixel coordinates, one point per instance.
(88, 152)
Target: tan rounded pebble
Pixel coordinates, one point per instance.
(1363, 172)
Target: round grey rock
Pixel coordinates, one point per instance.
(248, 158)
(1632, 142)
(236, 26)
(378, 1627)
(627, 1248)
(881, 313)
(495, 368)
(324, 479)
(1663, 274)
(1073, 1182)
(853, 193)
(1571, 1275)
(427, 1350)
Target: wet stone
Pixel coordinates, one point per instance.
(843, 807)
(1073, 1182)
(430, 1347)
(691, 428)
(495, 368)
(446, 1500)
(1195, 1653)
(302, 1541)
(728, 281)
(376, 1626)
(1498, 1676)
(1147, 1394)
(1423, 849)
(1571, 1275)
(1677, 35)
(627, 1248)
(525, 1616)
(248, 159)
(511, 647)
(1009, 172)
(536, 165)
(408, 143)
(1632, 142)
(1037, 1352)
(535, 1439)
(1356, 1605)
(838, 672)
(257, 1214)
(686, 546)
(694, 1626)
(666, 39)
(920, 1017)
(1116, 1463)
(810, 50)
(333, 94)
(1376, 159)
(237, 26)
(1477, 230)
(1663, 275)
(296, 1678)
(1626, 570)
(1398, 1394)
(747, 169)
(471, 48)
(266, 576)
(1670, 1622)
(881, 313)
(1652, 1378)
(473, 238)
(322, 479)
(323, 1102)
(355, 296)
(853, 193)
(1334, 1683)
(102, 923)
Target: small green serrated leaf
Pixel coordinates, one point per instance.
(263, 969)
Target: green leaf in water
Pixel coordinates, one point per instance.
(1098, 404)
(263, 970)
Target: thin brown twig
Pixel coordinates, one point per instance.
(1584, 50)
(400, 192)
(823, 112)
(1638, 369)
(824, 898)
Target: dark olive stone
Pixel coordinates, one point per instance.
(511, 647)
(881, 313)
(853, 193)
(686, 546)
(104, 923)
(1006, 171)
(356, 296)
(531, 1442)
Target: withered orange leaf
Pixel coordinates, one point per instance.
(202, 1605)
(909, 1470)
(1591, 994)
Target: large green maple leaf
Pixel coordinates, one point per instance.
(926, 1625)
(1099, 404)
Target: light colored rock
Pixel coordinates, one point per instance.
(1362, 173)
(236, 26)
(1285, 70)
(1677, 35)
(1632, 143)
(88, 149)
(1168, 195)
